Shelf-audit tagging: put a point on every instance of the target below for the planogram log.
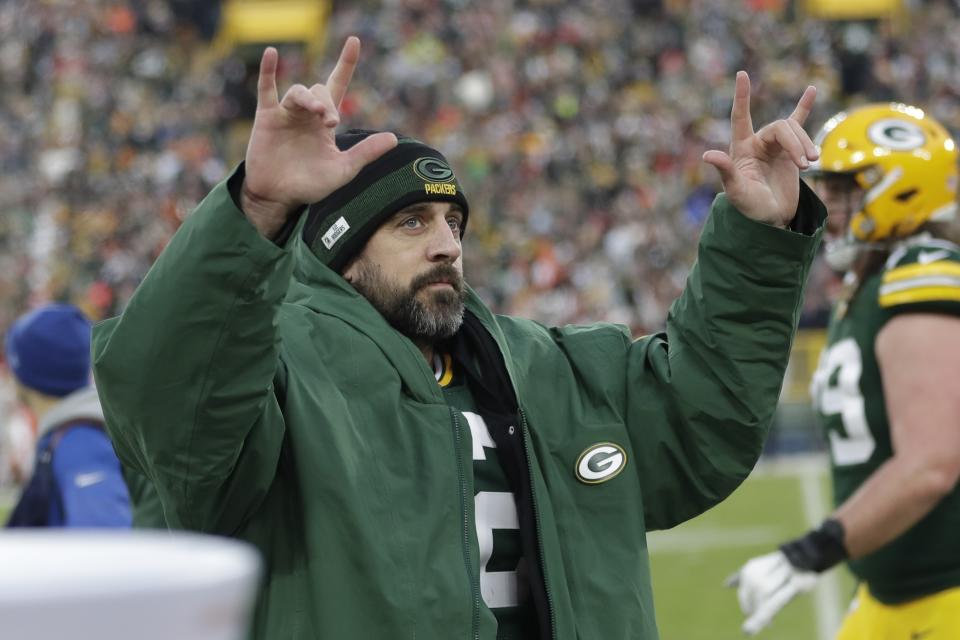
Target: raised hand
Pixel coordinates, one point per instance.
(292, 158)
(761, 172)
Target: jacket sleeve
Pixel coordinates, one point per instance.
(185, 374)
(701, 398)
(147, 511)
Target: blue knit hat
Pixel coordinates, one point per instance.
(48, 349)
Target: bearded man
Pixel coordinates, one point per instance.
(305, 369)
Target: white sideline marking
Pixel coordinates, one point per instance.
(827, 592)
(792, 465)
(680, 541)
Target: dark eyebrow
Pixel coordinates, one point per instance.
(413, 208)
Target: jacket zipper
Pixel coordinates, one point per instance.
(474, 587)
(536, 517)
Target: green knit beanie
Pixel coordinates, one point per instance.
(338, 227)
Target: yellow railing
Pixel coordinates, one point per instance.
(852, 9)
(273, 22)
(803, 362)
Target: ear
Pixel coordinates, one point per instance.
(349, 272)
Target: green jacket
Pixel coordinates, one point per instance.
(266, 400)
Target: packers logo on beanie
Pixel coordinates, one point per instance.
(338, 227)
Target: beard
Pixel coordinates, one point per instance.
(427, 322)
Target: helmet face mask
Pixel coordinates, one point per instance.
(840, 253)
(843, 197)
(903, 164)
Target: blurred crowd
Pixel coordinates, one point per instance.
(577, 128)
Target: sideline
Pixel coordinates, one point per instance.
(809, 471)
(827, 592)
(8, 497)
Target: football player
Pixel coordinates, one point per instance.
(887, 387)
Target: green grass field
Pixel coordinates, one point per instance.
(777, 502)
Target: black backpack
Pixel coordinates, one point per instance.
(41, 492)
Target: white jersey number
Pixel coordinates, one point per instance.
(843, 398)
(495, 510)
(492, 510)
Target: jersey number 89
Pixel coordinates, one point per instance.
(836, 391)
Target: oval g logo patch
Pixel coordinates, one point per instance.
(433, 170)
(600, 462)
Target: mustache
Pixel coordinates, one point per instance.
(441, 273)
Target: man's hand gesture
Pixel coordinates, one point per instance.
(761, 172)
(292, 157)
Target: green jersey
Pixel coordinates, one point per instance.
(503, 585)
(921, 275)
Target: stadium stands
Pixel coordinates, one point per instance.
(578, 128)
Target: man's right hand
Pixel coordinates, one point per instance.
(292, 158)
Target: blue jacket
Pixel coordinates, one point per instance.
(77, 481)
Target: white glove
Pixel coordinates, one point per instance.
(765, 585)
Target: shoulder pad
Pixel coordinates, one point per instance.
(923, 272)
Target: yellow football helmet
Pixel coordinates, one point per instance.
(904, 160)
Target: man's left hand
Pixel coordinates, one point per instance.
(761, 172)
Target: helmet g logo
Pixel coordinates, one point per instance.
(600, 462)
(896, 134)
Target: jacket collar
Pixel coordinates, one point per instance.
(325, 292)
